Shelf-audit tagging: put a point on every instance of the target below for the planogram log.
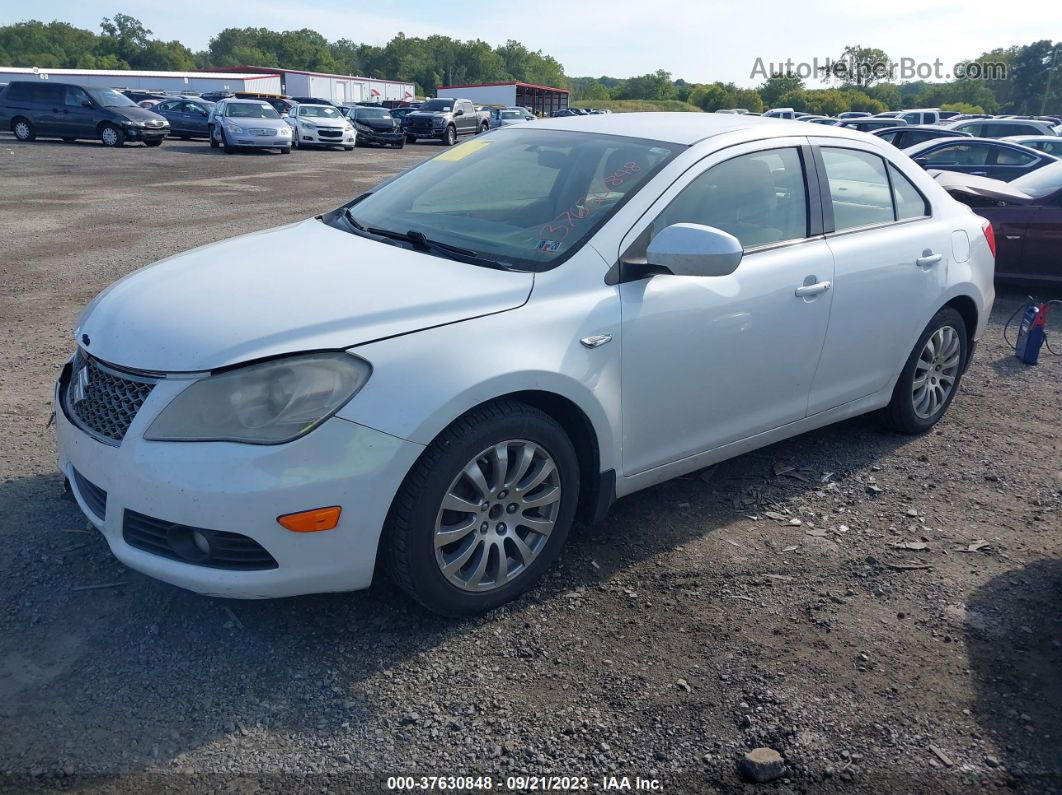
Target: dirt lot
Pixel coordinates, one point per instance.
(689, 627)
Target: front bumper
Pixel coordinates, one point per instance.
(146, 133)
(315, 137)
(423, 132)
(259, 141)
(381, 138)
(240, 488)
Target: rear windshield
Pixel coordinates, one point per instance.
(251, 111)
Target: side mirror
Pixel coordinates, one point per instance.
(459, 112)
(86, 103)
(695, 250)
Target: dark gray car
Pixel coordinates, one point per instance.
(188, 118)
(981, 157)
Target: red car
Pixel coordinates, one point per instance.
(1026, 216)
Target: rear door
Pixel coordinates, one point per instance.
(969, 158)
(1042, 256)
(467, 122)
(890, 261)
(47, 104)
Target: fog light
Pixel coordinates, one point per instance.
(189, 544)
(201, 542)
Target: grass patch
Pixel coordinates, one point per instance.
(636, 105)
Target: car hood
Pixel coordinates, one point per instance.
(426, 114)
(985, 187)
(137, 113)
(320, 121)
(306, 286)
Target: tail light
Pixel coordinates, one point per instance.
(990, 236)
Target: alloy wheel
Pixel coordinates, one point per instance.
(497, 515)
(22, 130)
(109, 136)
(936, 371)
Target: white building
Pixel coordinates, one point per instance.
(197, 82)
(338, 88)
(543, 100)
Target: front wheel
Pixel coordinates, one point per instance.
(411, 139)
(225, 147)
(285, 150)
(23, 130)
(156, 142)
(111, 135)
(214, 143)
(484, 128)
(449, 137)
(348, 148)
(931, 376)
(485, 510)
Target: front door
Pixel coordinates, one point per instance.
(708, 361)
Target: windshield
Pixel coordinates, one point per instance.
(320, 111)
(437, 105)
(371, 113)
(109, 98)
(526, 198)
(251, 110)
(511, 114)
(1042, 182)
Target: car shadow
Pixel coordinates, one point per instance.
(1014, 642)
(94, 644)
(203, 147)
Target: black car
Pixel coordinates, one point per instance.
(188, 118)
(139, 96)
(376, 126)
(216, 96)
(980, 157)
(903, 137)
(62, 110)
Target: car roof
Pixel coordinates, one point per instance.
(247, 102)
(1022, 138)
(689, 128)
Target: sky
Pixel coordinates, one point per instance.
(699, 40)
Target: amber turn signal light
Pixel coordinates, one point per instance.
(311, 521)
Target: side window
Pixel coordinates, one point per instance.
(859, 188)
(1013, 157)
(760, 198)
(976, 130)
(169, 107)
(19, 92)
(467, 108)
(909, 202)
(891, 137)
(74, 96)
(48, 95)
(957, 155)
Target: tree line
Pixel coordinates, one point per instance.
(1033, 82)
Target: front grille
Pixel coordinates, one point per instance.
(102, 400)
(420, 125)
(215, 549)
(330, 133)
(261, 131)
(92, 495)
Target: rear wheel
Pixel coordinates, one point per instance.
(931, 376)
(485, 511)
(23, 130)
(111, 135)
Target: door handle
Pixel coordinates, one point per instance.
(978, 173)
(811, 289)
(1012, 237)
(928, 259)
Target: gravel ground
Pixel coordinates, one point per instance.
(884, 611)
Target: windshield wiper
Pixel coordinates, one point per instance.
(419, 242)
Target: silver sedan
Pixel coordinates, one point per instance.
(248, 123)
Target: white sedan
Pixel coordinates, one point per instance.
(321, 125)
(452, 368)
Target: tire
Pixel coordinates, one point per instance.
(348, 148)
(399, 144)
(916, 407)
(484, 128)
(225, 144)
(285, 150)
(111, 136)
(23, 130)
(449, 138)
(213, 139)
(411, 139)
(156, 142)
(417, 515)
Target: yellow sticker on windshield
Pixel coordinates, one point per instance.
(463, 151)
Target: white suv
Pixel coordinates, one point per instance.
(450, 369)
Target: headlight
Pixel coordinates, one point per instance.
(268, 403)
(234, 129)
(308, 123)
(285, 130)
(362, 127)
